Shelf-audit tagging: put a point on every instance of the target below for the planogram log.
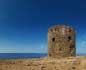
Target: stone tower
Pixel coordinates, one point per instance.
(61, 41)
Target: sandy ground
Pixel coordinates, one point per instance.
(70, 63)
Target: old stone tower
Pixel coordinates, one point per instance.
(61, 41)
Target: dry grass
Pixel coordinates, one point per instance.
(72, 63)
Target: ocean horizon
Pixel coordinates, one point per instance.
(21, 55)
(26, 55)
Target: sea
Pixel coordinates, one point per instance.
(21, 55)
(25, 55)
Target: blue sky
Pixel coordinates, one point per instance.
(24, 23)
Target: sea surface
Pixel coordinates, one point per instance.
(21, 55)
(25, 55)
(81, 54)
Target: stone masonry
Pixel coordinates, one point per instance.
(61, 41)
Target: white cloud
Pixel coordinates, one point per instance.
(81, 45)
(43, 48)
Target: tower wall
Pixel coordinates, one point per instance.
(61, 41)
